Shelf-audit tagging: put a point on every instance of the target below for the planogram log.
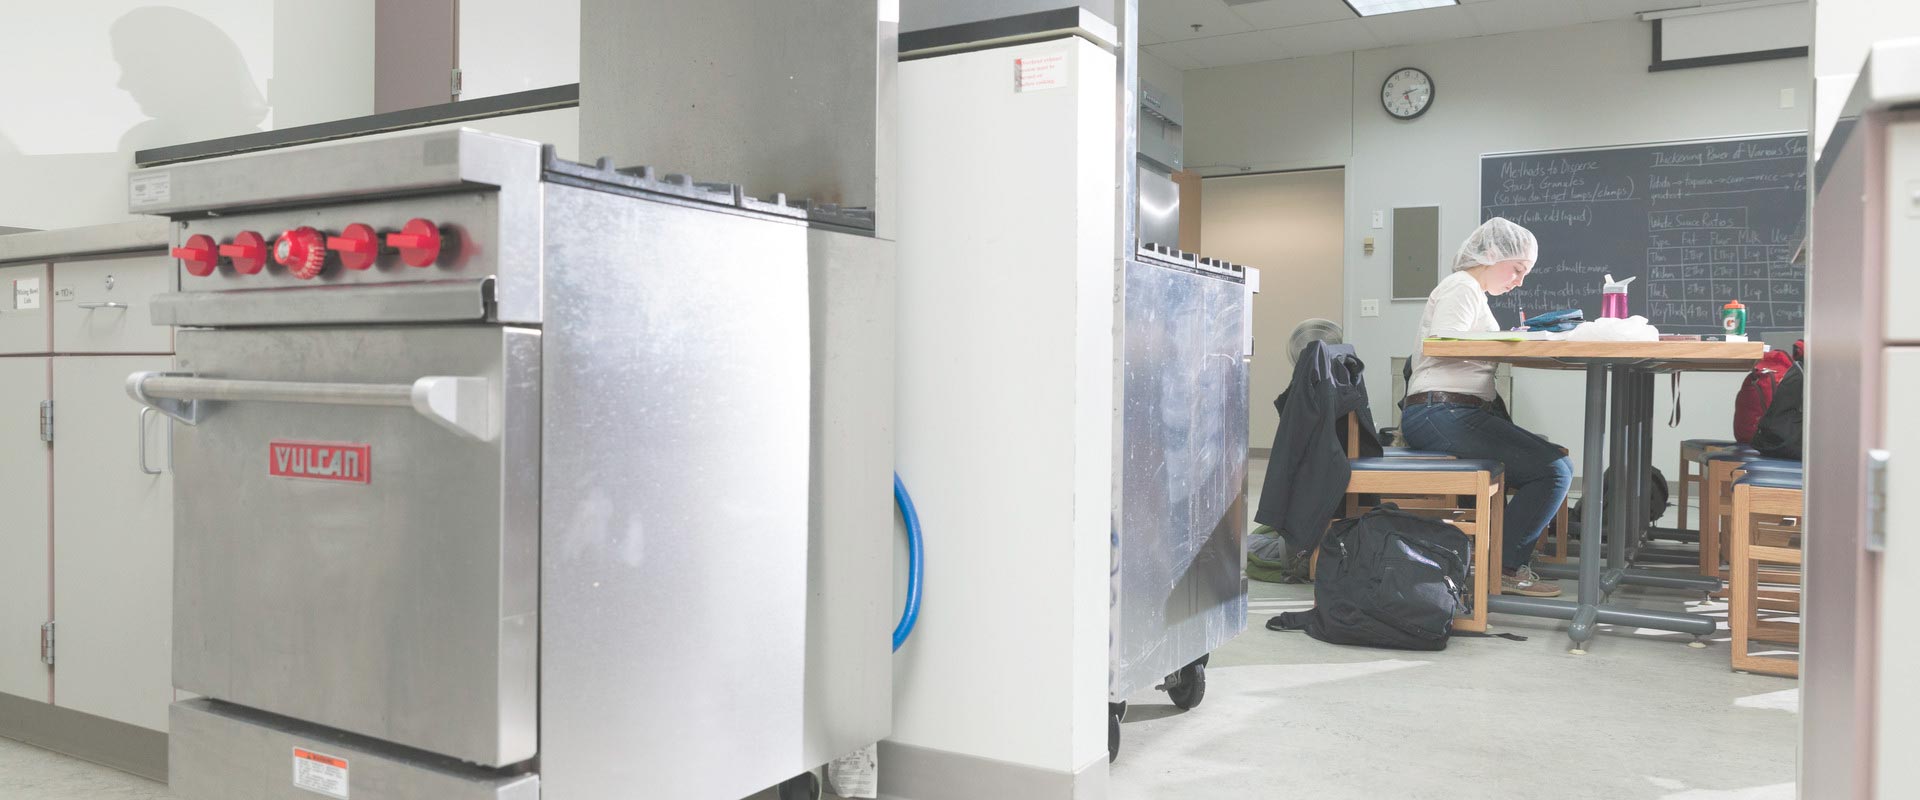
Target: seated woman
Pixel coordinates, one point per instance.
(1450, 401)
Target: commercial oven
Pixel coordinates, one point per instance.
(493, 479)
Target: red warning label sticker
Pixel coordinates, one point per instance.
(321, 774)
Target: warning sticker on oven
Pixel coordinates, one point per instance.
(152, 188)
(1039, 73)
(322, 774)
(321, 461)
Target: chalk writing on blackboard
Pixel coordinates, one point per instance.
(1700, 223)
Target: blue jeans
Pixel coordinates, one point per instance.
(1537, 473)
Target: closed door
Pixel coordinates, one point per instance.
(24, 465)
(113, 544)
(24, 310)
(1289, 225)
(105, 305)
(364, 567)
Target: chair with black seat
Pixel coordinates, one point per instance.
(1389, 478)
(1768, 529)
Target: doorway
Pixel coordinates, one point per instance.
(1292, 227)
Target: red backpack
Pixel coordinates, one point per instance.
(1756, 392)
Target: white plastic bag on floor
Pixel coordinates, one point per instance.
(1631, 329)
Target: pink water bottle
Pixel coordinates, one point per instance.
(1613, 298)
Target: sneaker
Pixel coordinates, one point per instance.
(1526, 571)
(1526, 583)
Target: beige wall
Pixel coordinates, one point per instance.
(1288, 224)
(1325, 111)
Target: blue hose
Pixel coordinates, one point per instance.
(916, 563)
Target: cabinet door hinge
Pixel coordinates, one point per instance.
(46, 420)
(46, 643)
(454, 84)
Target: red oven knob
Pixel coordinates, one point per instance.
(303, 251)
(358, 246)
(199, 255)
(247, 253)
(419, 242)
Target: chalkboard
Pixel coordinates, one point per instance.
(1700, 223)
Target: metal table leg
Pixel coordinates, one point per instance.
(1592, 486)
(1620, 424)
(1587, 613)
(1643, 461)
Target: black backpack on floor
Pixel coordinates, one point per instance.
(1658, 501)
(1386, 579)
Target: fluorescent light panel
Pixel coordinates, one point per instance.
(1374, 8)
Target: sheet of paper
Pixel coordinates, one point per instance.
(1499, 336)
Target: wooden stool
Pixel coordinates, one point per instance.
(1481, 480)
(1693, 454)
(1767, 529)
(1716, 511)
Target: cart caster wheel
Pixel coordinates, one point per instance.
(1188, 686)
(1114, 712)
(805, 786)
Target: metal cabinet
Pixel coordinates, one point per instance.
(25, 461)
(112, 542)
(1862, 442)
(86, 544)
(1899, 583)
(103, 305)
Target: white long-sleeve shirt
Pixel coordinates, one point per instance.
(1457, 304)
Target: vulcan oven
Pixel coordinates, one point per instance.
(492, 478)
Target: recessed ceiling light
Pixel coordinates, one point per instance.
(1374, 8)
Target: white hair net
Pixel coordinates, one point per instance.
(1496, 240)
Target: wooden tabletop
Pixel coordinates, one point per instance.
(1658, 356)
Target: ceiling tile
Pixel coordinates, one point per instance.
(1176, 59)
(1175, 19)
(1326, 37)
(1150, 36)
(1287, 13)
(1234, 48)
(1413, 27)
(1508, 16)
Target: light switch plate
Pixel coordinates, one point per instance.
(1370, 308)
(1786, 98)
(1379, 219)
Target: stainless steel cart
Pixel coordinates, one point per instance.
(1179, 585)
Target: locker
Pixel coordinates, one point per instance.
(112, 542)
(25, 464)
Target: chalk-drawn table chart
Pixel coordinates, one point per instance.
(1698, 223)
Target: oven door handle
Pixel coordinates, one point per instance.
(460, 404)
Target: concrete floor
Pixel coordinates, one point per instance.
(30, 773)
(1641, 716)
